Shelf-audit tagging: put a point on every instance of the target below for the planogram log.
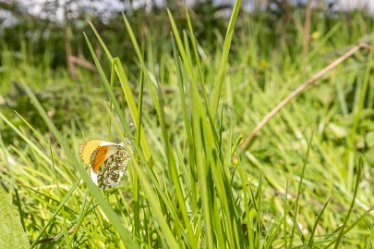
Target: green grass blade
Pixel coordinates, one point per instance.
(224, 58)
(112, 216)
(116, 64)
(107, 86)
(299, 189)
(181, 49)
(341, 232)
(60, 206)
(154, 204)
(102, 43)
(132, 106)
(311, 238)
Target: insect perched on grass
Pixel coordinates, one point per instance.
(107, 161)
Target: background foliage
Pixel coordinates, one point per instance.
(306, 181)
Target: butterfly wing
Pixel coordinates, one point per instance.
(88, 149)
(107, 161)
(98, 158)
(113, 168)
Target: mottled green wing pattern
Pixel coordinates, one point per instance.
(111, 172)
(12, 235)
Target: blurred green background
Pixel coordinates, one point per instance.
(306, 181)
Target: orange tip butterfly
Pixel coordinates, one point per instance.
(107, 161)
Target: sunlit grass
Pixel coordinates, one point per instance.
(305, 182)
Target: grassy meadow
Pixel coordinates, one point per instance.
(187, 105)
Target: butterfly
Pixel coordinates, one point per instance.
(107, 161)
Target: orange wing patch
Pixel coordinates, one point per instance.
(88, 149)
(99, 158)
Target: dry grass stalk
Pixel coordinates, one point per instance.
(247, 142)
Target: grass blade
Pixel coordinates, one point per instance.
(222, 66)
(112, 216)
